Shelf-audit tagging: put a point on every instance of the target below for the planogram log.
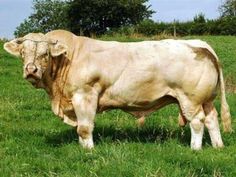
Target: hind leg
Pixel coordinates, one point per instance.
(197, 130)
(195, 115)
(212, 124)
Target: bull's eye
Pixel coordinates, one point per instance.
(42, 58)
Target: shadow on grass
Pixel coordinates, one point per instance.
(109, 134)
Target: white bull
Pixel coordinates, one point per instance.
(84, 76)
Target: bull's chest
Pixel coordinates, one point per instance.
(62, 107)
(60, 100)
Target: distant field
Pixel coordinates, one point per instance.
(34, 142)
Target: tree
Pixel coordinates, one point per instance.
(98, 16)
(228, 8)
(83, 16)
(199, 18)
(47, 15)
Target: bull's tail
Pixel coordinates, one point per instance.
(225, 111)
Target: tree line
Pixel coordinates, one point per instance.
(198, 26)
(96, 17)
(84, 17)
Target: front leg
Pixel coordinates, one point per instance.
(85, 106)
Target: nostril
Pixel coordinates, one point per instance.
(31, 68)
(35, 70)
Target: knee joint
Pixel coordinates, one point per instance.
(197, 124)
(83, 131)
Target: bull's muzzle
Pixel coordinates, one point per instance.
(32, 73)
(31, 68)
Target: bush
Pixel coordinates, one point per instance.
(227, 25)
(3, 40)
(200, 26)
(149, 28)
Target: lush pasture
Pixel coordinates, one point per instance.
(34, 142)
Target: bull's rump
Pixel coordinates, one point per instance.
(157, 69)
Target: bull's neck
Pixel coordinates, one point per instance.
(55, 75)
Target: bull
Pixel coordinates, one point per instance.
(84, 76)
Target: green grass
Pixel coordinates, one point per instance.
(34, 142)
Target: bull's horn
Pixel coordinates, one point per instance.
(20, 40)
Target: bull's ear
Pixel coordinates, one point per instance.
(58, 49)
(13, 47)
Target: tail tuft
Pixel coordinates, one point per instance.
(226, 118)
(225, 111)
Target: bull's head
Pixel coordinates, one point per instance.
(36, 50)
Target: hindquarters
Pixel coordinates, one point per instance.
(196, 100)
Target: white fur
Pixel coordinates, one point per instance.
(87, 143)
(85, 113)
(212, 124)
(197, 129)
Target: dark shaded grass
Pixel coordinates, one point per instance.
(34, 142)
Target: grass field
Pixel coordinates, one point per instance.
(34, 142)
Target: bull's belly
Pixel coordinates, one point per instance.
(132, 102)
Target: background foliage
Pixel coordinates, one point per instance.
(228, 8)
(221, 26)
(83, 17)
(96, 17)
(47, 15)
